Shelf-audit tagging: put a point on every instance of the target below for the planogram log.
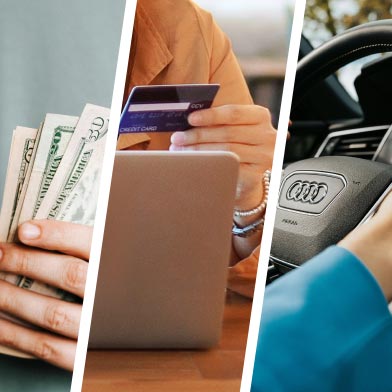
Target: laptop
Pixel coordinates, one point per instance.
(165, 252)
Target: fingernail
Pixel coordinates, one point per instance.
(174, 147)
(29, 231)
(178, 138)
(195, 118)
(1, 254)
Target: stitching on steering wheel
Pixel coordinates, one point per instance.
(357, 50)
(348, 54)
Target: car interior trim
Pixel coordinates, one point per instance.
(348, 132)
(375, 207)
(382, 143)
(275, 260)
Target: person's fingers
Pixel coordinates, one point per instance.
(65, 237)
(250, 134)
(241, 276)
(230, 115)
(49, 313)
(246, 153)
(50, 348)
(64, 272)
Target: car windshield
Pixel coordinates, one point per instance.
(326, 18)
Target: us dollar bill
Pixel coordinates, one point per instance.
(56, 134)
(20, 159)
(68, 187)
(23, 147)
(73, 194)
(15, 219)
(10, 187)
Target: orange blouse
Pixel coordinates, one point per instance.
(176, 42)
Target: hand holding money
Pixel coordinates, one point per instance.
(66, 269)
(53, 173)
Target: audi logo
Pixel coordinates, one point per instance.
(307, 192)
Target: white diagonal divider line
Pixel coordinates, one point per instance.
(273, 195)
(106, 177)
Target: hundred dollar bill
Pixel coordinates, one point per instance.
(21, 154)
(73, 193)
(56, 134)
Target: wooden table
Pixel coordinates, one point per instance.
(215, 370)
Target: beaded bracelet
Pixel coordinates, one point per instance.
(263, 205)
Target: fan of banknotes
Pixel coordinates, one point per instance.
(53, 173)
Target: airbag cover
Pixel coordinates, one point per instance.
(320, 201)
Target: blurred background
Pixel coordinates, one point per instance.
(70, 60)
(260, 32)
(326, 18)
(54, 59)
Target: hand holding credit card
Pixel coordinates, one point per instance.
(165, 108)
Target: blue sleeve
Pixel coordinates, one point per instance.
(325, 327)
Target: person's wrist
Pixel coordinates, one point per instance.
(251, 203)
(251, 199)
(253, 207)
(370, 243)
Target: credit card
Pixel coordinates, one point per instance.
(164, 108)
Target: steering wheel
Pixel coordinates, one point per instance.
(323, 199)
(353, 44)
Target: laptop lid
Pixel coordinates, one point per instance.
(166, 249)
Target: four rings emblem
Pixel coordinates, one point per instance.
(307, 192)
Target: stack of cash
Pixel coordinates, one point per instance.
(53, 173)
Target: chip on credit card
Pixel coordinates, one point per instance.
(165, 107)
